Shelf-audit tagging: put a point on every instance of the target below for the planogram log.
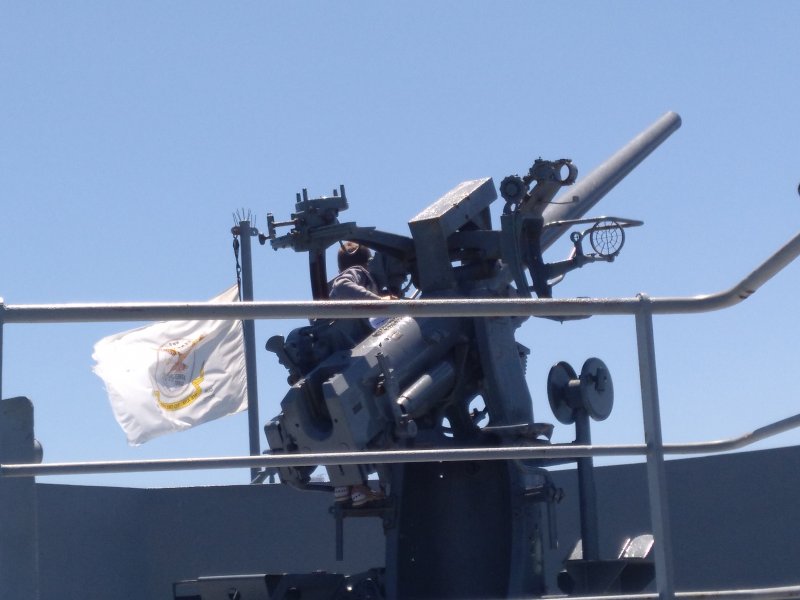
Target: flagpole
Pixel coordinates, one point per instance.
(2, 323)
(248, 328)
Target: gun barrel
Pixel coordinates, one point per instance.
(580, 198)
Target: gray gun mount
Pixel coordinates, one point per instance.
(445, 382)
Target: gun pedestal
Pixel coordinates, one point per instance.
(465, 530)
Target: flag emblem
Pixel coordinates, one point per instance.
(177, 379)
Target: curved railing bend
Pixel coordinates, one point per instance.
(458, 307)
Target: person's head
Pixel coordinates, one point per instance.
(352, 254)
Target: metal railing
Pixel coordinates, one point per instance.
(642, 307)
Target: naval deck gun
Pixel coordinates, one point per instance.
(453, 529)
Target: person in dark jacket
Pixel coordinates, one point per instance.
(354, 282)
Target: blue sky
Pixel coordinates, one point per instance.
(131, 132)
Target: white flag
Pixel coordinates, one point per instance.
(173, 375)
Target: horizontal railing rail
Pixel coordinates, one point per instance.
(274, 461)
(774, 593)
(421, 307)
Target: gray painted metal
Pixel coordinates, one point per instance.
(505, 391)
(132, 544)
(135, 542)
(588, 493)
(580, 198)
(249, 332)
(656, 473)
(19, 569)
(430, 229)
(775, 593)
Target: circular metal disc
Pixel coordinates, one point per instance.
(597, 389)
(557, 383)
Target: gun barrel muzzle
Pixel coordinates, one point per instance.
(580, 198)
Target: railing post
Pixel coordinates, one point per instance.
(656, 471)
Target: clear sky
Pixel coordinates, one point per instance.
(130, 132)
